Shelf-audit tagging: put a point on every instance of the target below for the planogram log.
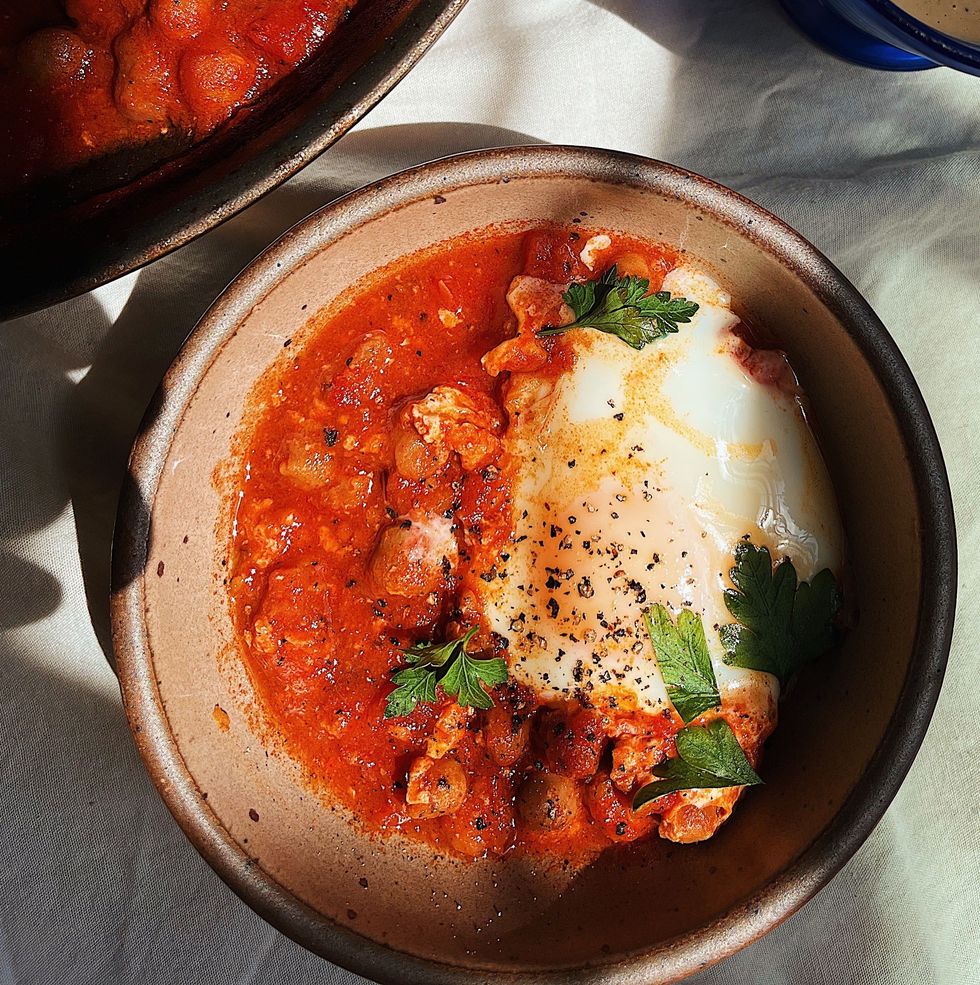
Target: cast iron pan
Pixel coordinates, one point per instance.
(69, 235)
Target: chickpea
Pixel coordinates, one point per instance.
(632, 265)
(216, 79)
(612, 811)
(306, 462)
(53, 56)
(484, 824)
(573, 745)
(548, 802)
(142, 88)
(414, 458)
(415, 556)
(181, 19)
(435, 787)
(506, 734)
(370, 358)
(98, 19)
(687, 823)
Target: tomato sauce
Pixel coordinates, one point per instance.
(84, 78)
(322, 478)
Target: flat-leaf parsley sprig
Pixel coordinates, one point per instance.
(623, 306)
(708, 756)
(684, 661)
(449, 666)
(781, 622)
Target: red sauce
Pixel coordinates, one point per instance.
(320, 639)
(82, 78)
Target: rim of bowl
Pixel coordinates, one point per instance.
(221, 200)
(745, 922)
(929, 41)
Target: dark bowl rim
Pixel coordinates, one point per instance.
(926, 40)
(223, 199)
(861, 811)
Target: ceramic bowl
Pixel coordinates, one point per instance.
(651, 912)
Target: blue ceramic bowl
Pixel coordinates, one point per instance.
(878, 34)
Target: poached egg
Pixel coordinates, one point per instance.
(635, 475)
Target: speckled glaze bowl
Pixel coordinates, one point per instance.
(650, 912)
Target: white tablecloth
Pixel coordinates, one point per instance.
(880, 171)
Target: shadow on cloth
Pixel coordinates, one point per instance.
(847, 933)
(27, 592)
(100, 416)
(97, 879)
(33, 490)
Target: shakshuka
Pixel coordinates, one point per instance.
(85, 78)
(527, 540)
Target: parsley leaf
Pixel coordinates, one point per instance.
(708, 756)
(414, 685)
(684, 661)
(427, 654)
(622, 307)
(452, 668)
(780, 625)
(466, 677)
